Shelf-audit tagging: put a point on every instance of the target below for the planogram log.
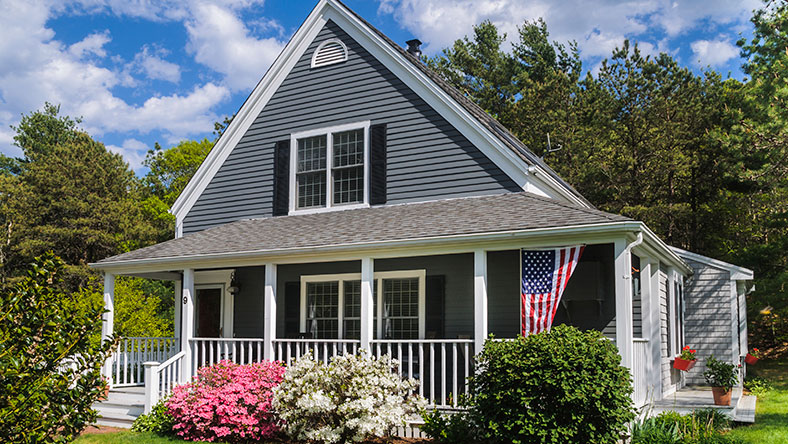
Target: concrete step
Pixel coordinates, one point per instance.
(125, 398)
(119, 423)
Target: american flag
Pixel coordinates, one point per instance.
(544, 277)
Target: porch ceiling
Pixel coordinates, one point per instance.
(445, 219)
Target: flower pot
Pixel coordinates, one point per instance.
(684, 364)
(721, 397)
(750, 359)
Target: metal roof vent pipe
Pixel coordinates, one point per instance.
(414, 47)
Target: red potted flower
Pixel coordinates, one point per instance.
(686, 360)
(753, 356)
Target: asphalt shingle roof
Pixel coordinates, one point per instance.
(413, 221)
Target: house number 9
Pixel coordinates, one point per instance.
(184, 300)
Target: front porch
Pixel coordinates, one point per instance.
(437, 310)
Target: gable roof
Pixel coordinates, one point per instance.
(415, 223)
(489, 136)
(737, 273)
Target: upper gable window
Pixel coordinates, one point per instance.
(328, 53)
(329, 168)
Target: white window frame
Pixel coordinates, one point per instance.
(328, 132)
(378, 276)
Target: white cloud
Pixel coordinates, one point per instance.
(598, 26)
(221, 41)
(92, 44)
(36, 67)
(132, 150)
(713, 52)
(154, 67)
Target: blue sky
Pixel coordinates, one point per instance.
(142, 71)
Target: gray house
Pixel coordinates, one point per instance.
(359, 201)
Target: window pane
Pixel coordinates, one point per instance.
(312, 190)
(349, 185)
(348, 148)
(401, 308)
(312, 154)
(322, 309)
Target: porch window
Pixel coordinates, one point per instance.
(331, 305)
(330, 168)
(322, 309)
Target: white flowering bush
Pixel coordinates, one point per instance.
(353, 398)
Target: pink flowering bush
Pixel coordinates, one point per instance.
(227, 402)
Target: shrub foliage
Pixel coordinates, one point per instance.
(353, 398)
(158, 421)
(560, 386)
(227, 402)
(50, 362)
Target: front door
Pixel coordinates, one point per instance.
(209, 312)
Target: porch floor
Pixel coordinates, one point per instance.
(688, 399)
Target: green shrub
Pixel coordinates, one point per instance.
(700, 427)
(449, 428)
(50, 362)
(158, 421)
(560, 386)
(757, 386)
(712, 418)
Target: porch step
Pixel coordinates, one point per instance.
(745, 409)
(122, 406)
(689, 399)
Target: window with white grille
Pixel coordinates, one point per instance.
(328, 53)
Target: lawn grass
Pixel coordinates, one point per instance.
(771, 414)
(125, 437)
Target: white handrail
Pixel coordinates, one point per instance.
(450, 360)
(127, 361)
(160, 379)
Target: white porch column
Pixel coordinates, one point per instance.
(269, 316)
(480, 330)
(178, 302)
(649, 275)
(623, 281)
(367, 312)
(108, 318)
(187, 318)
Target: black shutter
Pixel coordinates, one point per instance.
(282, 178)
(292, 308)
(434, 299)
(377, 164)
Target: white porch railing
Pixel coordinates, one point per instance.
(128, 360)
(288, 350)
(209, 351)
(640, 376)
(441, 366)
(160, 379)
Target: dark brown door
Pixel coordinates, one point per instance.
(209, 312)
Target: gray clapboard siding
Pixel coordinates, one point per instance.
(708, 316)
(427, 157)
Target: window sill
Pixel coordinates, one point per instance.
(327, 209)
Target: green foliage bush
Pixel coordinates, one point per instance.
(449, 428)
(700, 427)
(560, 386)
(757, 386)
(158, 421)
(50, 364)
(721, 374)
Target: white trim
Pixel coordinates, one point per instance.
(623, 296)
(480, 305)
(500, 154)
(734, 309)
(421, 274)
(223, 312)
(329, 133)
(269, 312)
(737, 273)
(320, 47)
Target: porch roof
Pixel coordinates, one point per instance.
(412, 221)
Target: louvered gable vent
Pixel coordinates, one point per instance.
(328, 53)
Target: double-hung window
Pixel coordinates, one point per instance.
(330, 168)
(331, 305)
